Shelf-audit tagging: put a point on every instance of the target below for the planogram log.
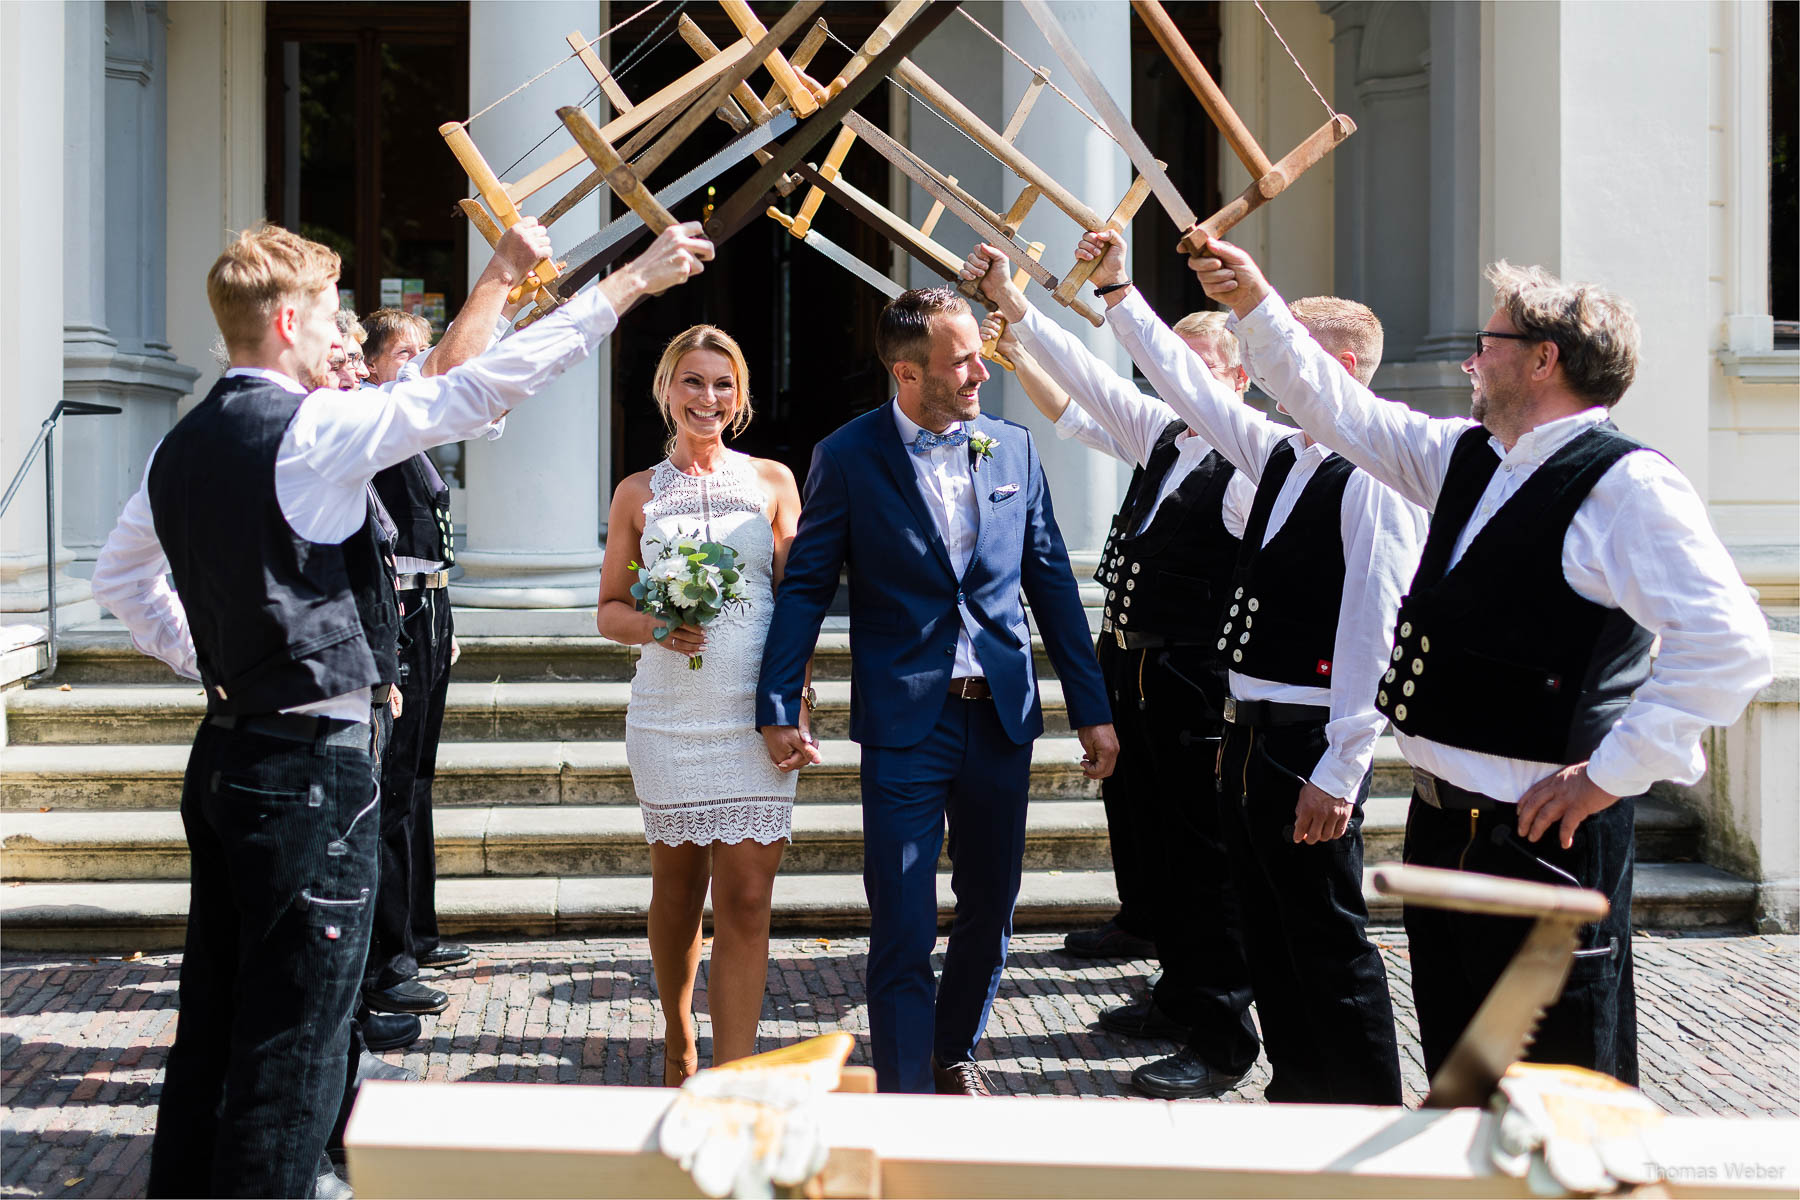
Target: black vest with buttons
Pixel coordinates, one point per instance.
(1499, 654)
(1281, 618)
(277, 621)
(1168, 581)
(419, 501)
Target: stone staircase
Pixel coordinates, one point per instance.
(537, 829)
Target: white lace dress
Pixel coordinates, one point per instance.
(697, 762)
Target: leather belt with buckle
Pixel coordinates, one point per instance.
(1269, 714)
(294, 727)
(421, 580)
(970, 687)
(1441, 793)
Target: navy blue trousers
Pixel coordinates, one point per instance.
(281, 842)
(970, 776)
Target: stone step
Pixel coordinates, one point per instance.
(585, 710)
(128, 777)
(511, 841)
(123, 917)
(133, 777)
(102, 653)
(570, 839)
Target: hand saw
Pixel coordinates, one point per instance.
(1507, 1020)
(863, 271)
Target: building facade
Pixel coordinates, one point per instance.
(1627, 145)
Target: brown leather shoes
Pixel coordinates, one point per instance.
(960, 1079)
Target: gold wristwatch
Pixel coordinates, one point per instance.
(809, 698)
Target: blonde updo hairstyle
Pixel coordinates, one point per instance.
(701, 337)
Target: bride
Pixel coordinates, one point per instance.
(715, 810)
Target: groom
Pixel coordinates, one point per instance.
(943, 517)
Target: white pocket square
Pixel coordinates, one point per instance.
(1001, 493)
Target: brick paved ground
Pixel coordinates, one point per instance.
(82, 1040)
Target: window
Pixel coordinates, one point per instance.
(355, 96)
(1784, 176)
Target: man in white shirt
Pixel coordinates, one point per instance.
(1522, 689)
(257, 504)
(1325, 552)
(1166, 566)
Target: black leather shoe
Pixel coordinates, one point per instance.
(1108, 941)
(327, 1185)
(1142, 1019)
(409, 997)
(390, 1031)
(960, 1078)
(1183, 1076)
(447, 955)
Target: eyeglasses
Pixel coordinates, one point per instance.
(1511, 337)
(354, 360)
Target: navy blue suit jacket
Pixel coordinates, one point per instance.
(863, 508)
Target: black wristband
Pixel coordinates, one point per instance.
(1112, 287)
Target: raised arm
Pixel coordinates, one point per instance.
(1131, 420)
(1209, 406)
(348, 436)
(1407, 450)
(520, 248)
(1069, 420)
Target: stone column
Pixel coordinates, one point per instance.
(1085, 487)
(214, 184)
(1588, 108)
(31, 295)
(115, 348)
(535, 502)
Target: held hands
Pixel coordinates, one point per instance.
(790, 747)
(1568, 796)
(1099, 750)
(522, 247)
(1319, 816)
(989, 264)
(1230, 277)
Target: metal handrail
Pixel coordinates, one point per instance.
(46, 439)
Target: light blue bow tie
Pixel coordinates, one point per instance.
(925, 441)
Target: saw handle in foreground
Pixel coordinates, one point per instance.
(1465, 891)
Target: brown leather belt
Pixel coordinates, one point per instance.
(971, 687)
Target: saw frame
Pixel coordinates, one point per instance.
(651, 130)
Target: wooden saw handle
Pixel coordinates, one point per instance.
(1466, 891)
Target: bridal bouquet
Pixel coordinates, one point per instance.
(690, 583)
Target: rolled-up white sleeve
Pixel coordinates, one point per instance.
(1076, 424)
(348, 436)
(1661, 562)
(1210, 408)
(130, 581)
(1403, 448)
(1383, 537)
